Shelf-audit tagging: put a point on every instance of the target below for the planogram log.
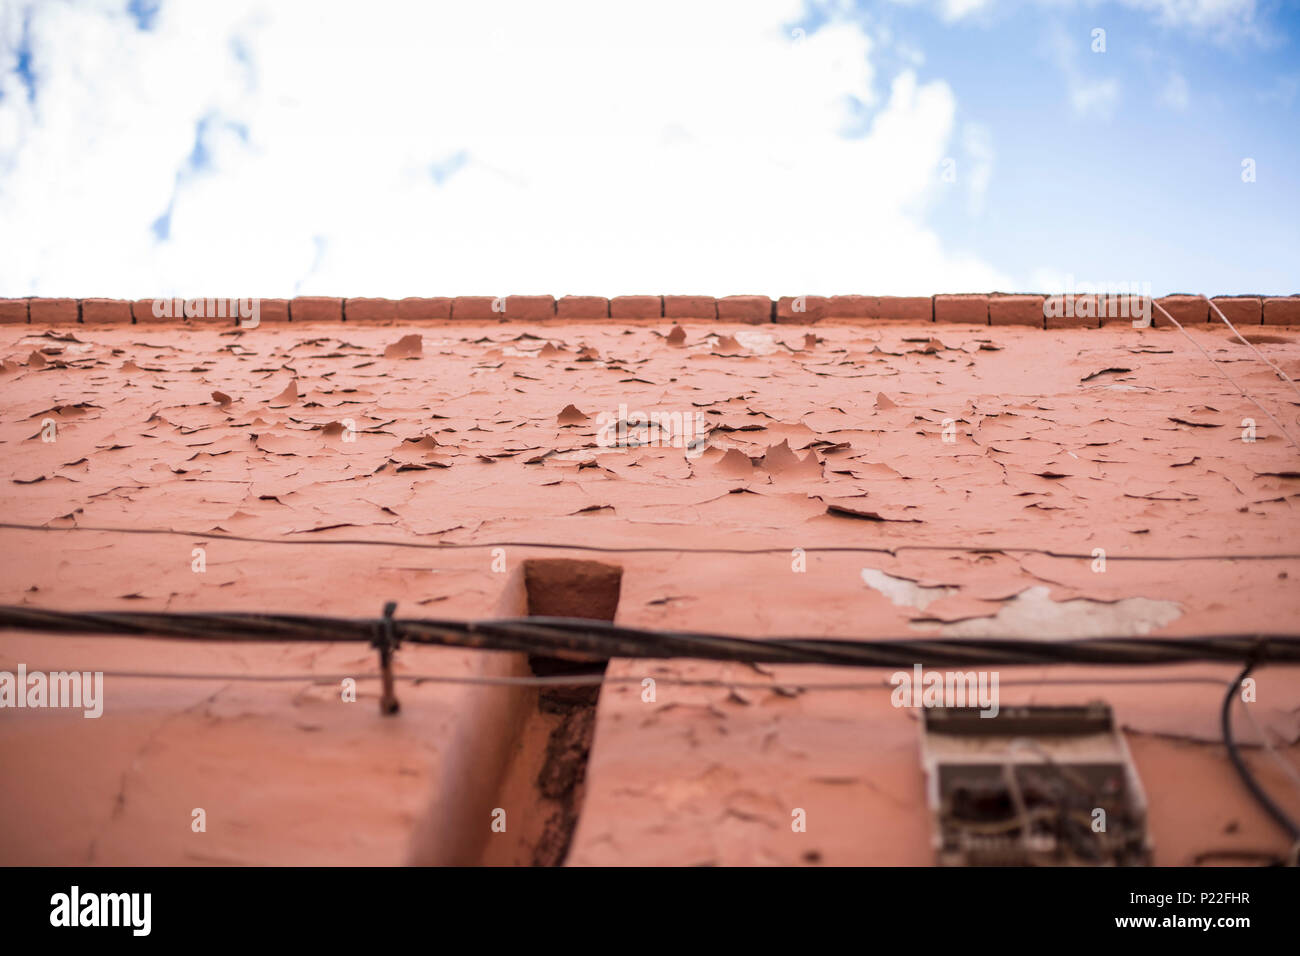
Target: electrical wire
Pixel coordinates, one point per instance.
(1065, 773)
(1244, 341)
(1023, 816)
(1286, 766)
(593, 680)
(1243, 771)
(587, 640)
(1267, 857)
(1223, 372)
(891, 550)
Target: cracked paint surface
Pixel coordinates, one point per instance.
(1013, 441)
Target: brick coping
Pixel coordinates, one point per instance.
(1070, 310)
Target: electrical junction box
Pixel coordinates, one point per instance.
(1032, 786)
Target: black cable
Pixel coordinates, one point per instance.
(586, 640)
(1264, 800)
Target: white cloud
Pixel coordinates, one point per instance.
(1089, 95)
(1175, 94)
(1093, 97)
(401, 149)
(956, 9)
(1236, 15)
(1224, 20)
(977, 142)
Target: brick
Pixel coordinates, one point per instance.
(1186, 309)
(315, 308)
(530, 308)
(1016, 310)
(745, 308)
(582, 307)
(413, 309)
(636, 307)
(970, 309)
(1278, 310)
(476, 308)
(222, 312)
(853, 306)
(905, 308)
(1239, 309)
(370, 310)
(1071, 312)
(142, 310)
(13, 311)
(811, 308)
(236, 309)
(273, 310)
(1125, 309)
(690, 307)
(106, 312)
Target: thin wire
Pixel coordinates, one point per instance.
(1243, 771)
(1287, 767)
(1244, 853)
(1018, 800)
(591, 680)
(1072, 776)
(1281, 374)
(577, 680)
(891, 550)
(1224, 373)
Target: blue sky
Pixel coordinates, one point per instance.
(153, 147)
(1142, 179)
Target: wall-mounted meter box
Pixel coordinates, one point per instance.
(1032, 786)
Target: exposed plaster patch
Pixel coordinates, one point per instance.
(759, 343)
(903, 592)
(1033, 614)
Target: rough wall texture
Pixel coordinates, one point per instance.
(898, 433)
